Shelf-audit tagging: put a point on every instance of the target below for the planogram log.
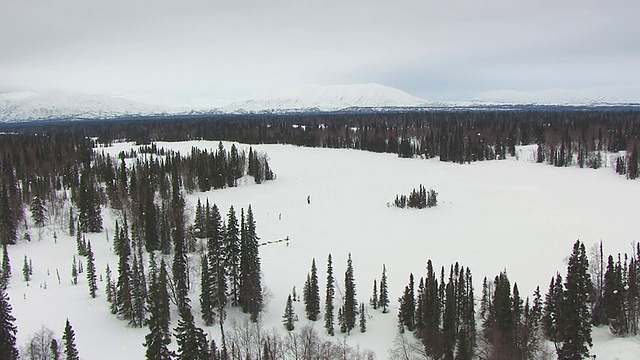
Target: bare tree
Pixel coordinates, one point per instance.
(39, 345)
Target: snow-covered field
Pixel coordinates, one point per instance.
(491, 216)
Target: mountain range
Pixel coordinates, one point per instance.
(30, 106)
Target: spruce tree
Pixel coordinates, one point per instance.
(328, 302)
(5, 272)
(192, 341)
(574, 310)
(159, 336)
(250, 293)
(74, 271)
(406, 311)
(383, 302)
(232, 256)
(288, 316)
(72, 223)
(432, 310)
(54, 348)
(613, 299)
(449, 318)
(206, 307)
(91, 272)
(363, 319)
(38, 211)
(123, 286)
(8, 330)
(111, 291)
(138, 293)
(26, 272)
(312, 294)
(374, 296)
(551, 319)
(70, 351)
(350, 304)
(89, 217)
(82, 251)
(179, 268)
(216, 253)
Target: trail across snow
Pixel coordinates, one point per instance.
(511, 215)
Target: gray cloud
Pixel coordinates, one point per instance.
(209, 49)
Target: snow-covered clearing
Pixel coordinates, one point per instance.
(491, 216)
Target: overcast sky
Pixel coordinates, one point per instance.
(195, 51)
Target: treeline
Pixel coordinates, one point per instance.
(437, 315)
(565, 138)
(417, 199)
(41, 172)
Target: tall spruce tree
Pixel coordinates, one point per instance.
(89, 216)
(250, 293)
(26, 271)
(138, 293)
(124, 298)
(216, 258)
(232, 256)
(613, 298)
(192, 341)
(350, 307)
(363, 319)
(92, 280)
(179, 268)
(38, 210)
(159, 336)
(206, 307)
(74, 271)
(551, 319)
(406, 311)
(574, 310)
(328, 300)
(449, 317)
(289, 315)
(8, 329)
(432, 309)
(70, 350)
(312, 294)
(5, 272)
(374, 295)
(383, 302)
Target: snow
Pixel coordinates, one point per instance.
(630, 95)
(23, 106)
(512, 215)
(326, 98)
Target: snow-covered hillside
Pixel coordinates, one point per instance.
(512, 215)
(326, 98)
(25, 106)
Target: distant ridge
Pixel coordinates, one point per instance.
(27, 106)
(326, 98)
(357, 98)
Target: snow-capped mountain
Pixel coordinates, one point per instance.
(326, 98)
(26, 106)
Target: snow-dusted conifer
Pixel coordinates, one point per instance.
(8, 330)
(312, 294)
(91, 272)
(328, 302)
(383, 302)
(70, 350)
(289, 315)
